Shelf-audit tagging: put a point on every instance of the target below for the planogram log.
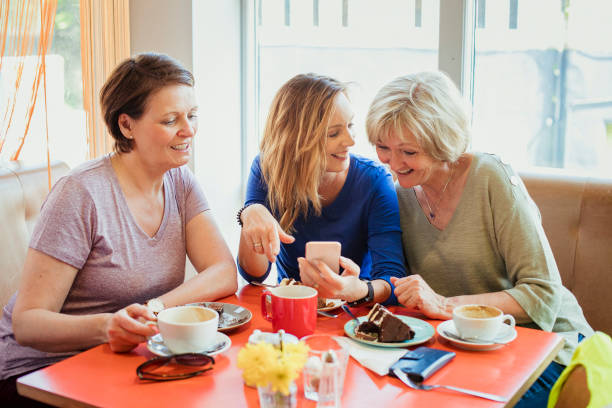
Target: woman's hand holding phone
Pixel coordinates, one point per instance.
(325, 251)
(328, 283)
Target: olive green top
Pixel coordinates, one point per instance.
(493, 242)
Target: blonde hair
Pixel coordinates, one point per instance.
(430, 107)
(292, 151)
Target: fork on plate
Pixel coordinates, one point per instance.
(265, 285)
(326, 314)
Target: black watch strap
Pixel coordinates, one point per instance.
(367, 298)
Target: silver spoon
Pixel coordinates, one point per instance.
(420, 386)
(470, 339)
(214, 347)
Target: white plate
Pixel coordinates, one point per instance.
(423, 331)
(333, 304)
(273, 338)
(506, 336)
(156, 345)
(233, 316)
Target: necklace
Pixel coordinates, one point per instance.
(432, 214)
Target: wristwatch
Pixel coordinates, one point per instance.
(155, 305)
(367, 298)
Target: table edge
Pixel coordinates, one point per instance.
(538, 371)
(48, 397)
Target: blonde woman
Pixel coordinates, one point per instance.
(471, 233)
(306, 186)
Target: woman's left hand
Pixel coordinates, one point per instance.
(414, 293)
(329, 284)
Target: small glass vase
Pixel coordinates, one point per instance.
(276, 399)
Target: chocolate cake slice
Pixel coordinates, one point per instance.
(383, 326)
(367, 331)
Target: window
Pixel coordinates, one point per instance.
(65, 115)
(542, 95)
(359, 41)
(537, 71)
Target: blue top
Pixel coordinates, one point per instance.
(364, 218)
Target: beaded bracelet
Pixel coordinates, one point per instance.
(240, 214)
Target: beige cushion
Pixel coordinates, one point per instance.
(577, 217)
(22, 192)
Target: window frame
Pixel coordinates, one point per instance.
(455, 57)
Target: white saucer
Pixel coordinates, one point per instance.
(507, 334)
(156, 345)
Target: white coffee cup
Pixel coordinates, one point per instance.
(480, 322)
(188, 329)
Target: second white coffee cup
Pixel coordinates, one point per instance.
(188, 329)
(480, 322)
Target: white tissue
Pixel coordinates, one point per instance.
(377, 359)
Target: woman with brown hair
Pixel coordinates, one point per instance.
(306, 186)
(113, 234)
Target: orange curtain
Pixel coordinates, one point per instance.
(24, 25)
(105, 41)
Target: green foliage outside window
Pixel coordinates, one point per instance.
(67, 43)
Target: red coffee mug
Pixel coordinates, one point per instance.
(292, 308)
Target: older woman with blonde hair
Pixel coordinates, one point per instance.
(306, 186)
(470, 231)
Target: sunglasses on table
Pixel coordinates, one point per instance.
(176, 367)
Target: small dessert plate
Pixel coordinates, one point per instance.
(231, 316)
(507, 335)
(156, 345)
(273, 338)
(332, 304)
(423, 331)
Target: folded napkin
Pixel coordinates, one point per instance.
(377, 359)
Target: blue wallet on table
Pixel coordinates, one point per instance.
(422, 362)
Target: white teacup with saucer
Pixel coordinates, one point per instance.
(188, 329)
(448, 332)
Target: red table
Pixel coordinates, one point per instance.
(99, 377)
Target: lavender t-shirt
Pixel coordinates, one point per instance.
(85, 222)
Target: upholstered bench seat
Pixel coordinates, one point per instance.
(576, 214)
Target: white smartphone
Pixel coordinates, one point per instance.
(326, 251)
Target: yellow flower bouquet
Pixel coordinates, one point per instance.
(264, 365)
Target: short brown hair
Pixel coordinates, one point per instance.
(129, 86)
